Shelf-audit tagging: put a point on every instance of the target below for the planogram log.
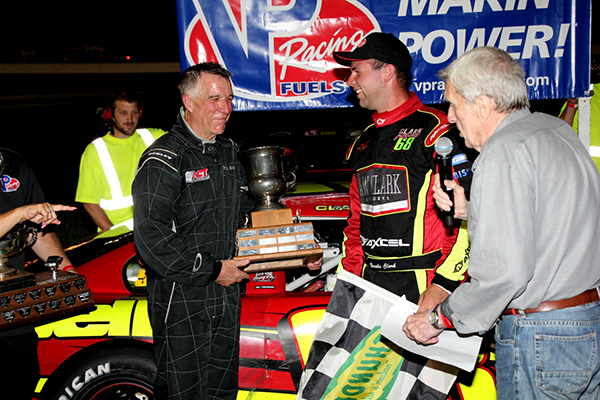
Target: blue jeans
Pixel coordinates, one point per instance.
(549, 355)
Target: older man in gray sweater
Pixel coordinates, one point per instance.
(534, 225)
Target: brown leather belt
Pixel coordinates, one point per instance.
(586, 297)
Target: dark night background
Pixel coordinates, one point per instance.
(50, 117)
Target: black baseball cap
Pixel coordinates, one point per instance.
(380, 46)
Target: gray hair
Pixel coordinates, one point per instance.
(492, 72)
(190, 77)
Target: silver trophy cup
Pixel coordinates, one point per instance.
(267, 182)
(12, 244)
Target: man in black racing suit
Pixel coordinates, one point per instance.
(187, 203)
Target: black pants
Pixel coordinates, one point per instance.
(20, 365)
(397, 282)
(196, 340)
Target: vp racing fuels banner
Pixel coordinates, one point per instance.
(280, 51)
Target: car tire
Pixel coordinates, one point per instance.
(108, 374)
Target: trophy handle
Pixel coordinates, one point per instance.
(290, 182)
(32, 237)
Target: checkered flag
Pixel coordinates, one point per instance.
(350, 359)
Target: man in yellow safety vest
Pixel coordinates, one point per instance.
(570, 113)
(109, 162)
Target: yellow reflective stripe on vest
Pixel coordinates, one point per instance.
(595, 151)
(116, 204)
(128, 224)
(146, 136)
(118, 201)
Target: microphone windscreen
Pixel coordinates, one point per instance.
(443, 146)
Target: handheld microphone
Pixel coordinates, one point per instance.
(443, 147)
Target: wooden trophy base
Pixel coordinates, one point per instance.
(50, 296)
(17, 280)
(274, 242)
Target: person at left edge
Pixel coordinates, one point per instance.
(18, 345)
(108, 164)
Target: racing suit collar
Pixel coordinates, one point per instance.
(182, 113)
(207, 146)
(407, 108)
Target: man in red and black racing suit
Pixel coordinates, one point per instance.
(395, 237)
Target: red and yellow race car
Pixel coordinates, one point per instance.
(106, 353)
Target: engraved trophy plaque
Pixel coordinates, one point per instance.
(26, 297)
(273, 241)
(53, 293)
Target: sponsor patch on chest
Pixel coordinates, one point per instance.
(197, 175)
(9, 184)
(383, 189)
(408, 133)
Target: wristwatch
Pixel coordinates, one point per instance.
(434, 318)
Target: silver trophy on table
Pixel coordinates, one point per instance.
(12, 244)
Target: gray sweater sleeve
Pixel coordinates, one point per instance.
(501, 231)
